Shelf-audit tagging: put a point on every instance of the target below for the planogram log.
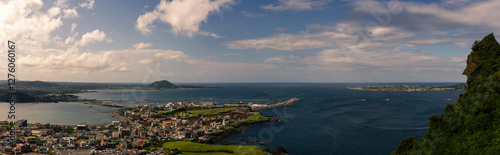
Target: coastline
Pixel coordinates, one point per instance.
(239, 129)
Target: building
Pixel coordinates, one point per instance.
(115, 134)
(116, 123)
(125, 132)
(81, 127)
(22, 123)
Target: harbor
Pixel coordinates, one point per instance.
(188, 103)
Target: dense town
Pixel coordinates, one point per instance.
(143, 129)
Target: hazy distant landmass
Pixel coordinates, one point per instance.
(36, 84)
(460, 86)
(470, 125)
(40, 91)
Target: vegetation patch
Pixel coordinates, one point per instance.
(215, 111)
(187, 147)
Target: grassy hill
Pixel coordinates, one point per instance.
(472, 124)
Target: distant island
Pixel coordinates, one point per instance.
(410, 88)
(164, 84)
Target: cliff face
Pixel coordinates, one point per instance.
(472, 124)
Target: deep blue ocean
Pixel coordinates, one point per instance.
(328, 119)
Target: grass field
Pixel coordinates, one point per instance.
(215, 111)
(257, 117)
(190, 148)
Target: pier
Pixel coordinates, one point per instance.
(256, 107)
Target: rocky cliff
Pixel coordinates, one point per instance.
(472, 124)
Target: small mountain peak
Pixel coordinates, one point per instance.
(163, 84)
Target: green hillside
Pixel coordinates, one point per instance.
(472, 124)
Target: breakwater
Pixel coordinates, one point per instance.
(256, 107)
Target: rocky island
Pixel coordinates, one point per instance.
(470, 125)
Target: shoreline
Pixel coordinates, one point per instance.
(238, 130)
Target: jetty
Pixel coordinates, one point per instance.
(256, 107)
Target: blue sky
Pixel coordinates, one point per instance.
(245, 40)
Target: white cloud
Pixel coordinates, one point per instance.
(342, 50)
(61, 3)
(73, 64)
(28, 24)
(73, 26)
(474, 14)
(296, 5)
(274, 60)
(70, 61)
(209, 34)
(184, 16)
(54, 11)
(142, 45)
(109, 40)
(432, 16)
(383, 59)
(252, 15)
(88, 5)
(70, 13)
(177, 56)
(455, 3)
(369, 6)
(146, 61)
(145, 22)
(92, 37)
(301, 41)
(123, 69)
(71, 39)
